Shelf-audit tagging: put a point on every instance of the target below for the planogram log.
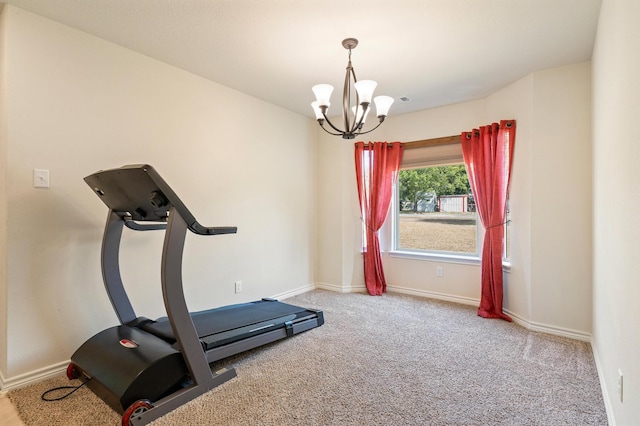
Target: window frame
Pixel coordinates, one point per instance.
(506, 257)
(437, 255)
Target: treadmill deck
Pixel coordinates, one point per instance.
(227, 324)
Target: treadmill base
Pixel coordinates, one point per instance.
(123, 364)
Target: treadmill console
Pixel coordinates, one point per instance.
(138, 193)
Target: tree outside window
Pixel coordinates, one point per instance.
(436, 211)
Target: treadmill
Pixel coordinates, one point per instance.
(145, 368)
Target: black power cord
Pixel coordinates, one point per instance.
(45, 396)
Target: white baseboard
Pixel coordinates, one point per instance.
(22, 380)
(294, 292)
(341, 289)
(605, 393)
(433, 295)
(550, 329)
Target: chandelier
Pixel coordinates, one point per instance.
(354, 116)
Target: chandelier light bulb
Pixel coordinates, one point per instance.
(365, 89)
(357, 112)
(383, 103)
(323, 94)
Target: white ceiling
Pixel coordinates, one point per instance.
(435, 52)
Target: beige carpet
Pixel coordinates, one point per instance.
(390, 360)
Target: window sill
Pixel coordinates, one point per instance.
(447, 258)
(436, 257)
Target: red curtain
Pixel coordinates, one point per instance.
(377, 167)
(488, 155)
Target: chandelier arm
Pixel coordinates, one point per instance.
(340, 132)
(370, 130)
(331, 133)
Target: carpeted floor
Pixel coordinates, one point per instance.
(391, 360)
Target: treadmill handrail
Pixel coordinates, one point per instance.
(196, 228)
(130, 223)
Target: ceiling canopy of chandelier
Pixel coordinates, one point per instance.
(354, 116)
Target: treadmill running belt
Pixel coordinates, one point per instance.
(220, 320)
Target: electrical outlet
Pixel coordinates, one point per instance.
(620, 385)
(238, 286)
(439, 271)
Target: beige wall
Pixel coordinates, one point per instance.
(561, 236)
(78, 104)
(549, 284)
(616, 159)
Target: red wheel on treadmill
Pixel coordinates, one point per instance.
(134, 410)
(72, 371)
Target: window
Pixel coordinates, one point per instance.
(435, 211)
